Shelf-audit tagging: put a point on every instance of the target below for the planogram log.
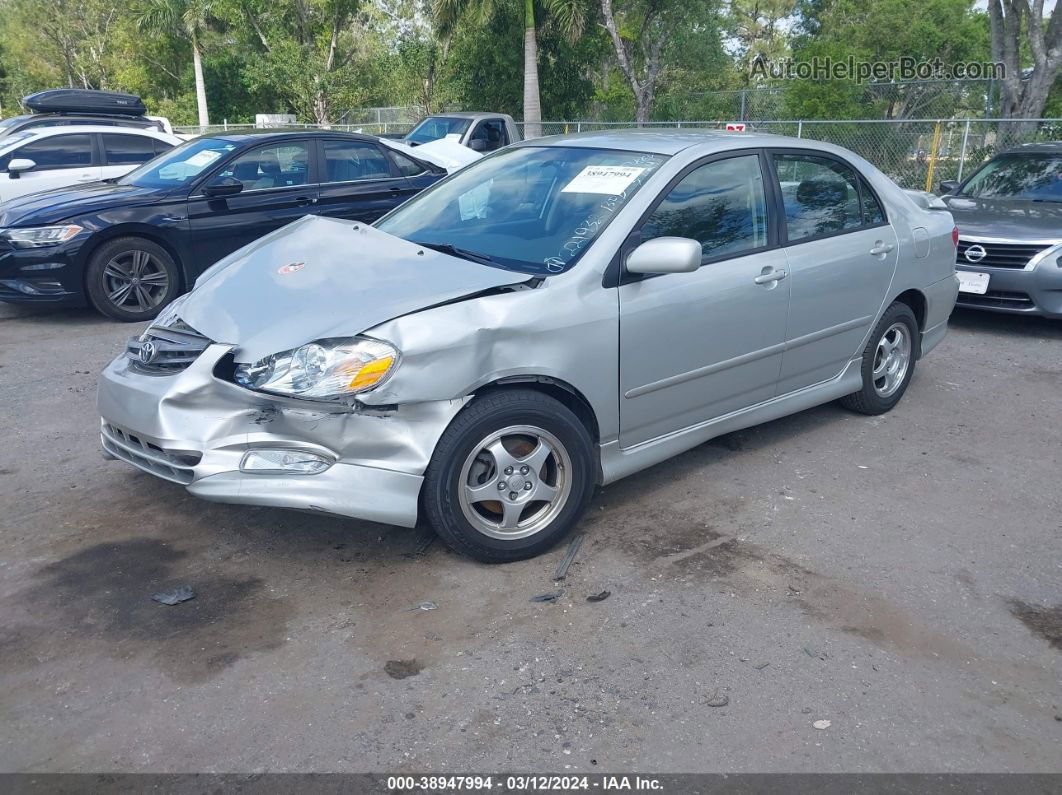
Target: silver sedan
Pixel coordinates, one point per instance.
(556, 316)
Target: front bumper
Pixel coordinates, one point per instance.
(51, 274)
(1030, 291)
(194, 429)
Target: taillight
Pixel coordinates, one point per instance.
(955, 236)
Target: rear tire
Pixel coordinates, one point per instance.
(510, 477)
(888, 362)
(131, 279)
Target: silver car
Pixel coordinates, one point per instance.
(556, 316)
(1009, 214)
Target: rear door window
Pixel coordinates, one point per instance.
(349, 161)
(820, 196)
(122, 150)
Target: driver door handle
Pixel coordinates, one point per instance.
(881, 248)
(302, 201)
(771, 276)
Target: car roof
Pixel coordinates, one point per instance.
(1040, 147)
(668, 140)
(466, 114)
(23, 136)
(260, 136)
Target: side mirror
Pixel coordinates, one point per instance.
(665, 255)
(222, 186)
(477, 145)
(18, 165)
(949, 186)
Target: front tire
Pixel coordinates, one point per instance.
(888, 362)
(131, 279)
(510, 477)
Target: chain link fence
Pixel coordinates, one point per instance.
(914, 153)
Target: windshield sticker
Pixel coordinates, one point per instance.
(203, 158)
(610, 180)
(587, 228)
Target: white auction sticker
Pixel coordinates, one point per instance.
(610, 180)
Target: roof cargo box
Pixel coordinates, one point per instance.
(79, 100)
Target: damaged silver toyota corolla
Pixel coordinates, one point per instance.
(558, 315)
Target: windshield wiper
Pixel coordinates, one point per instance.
(454, 251)
(1052, 201)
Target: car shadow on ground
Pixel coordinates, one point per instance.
(55, 315)
(1011, 325)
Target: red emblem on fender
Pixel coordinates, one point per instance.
(291, 267)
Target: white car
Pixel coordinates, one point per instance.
(56, 157)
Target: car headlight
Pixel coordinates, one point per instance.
(324, 370)
(39, 236)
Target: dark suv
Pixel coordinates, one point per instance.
(1009, 215)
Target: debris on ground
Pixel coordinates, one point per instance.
(717, 699)
(403, 669)
(182, 593)
(761, 666)
(569, 556)
(548, 597)
(422, 545)
(821, 724)
(600, 596)
(423, 606)
(815, 655)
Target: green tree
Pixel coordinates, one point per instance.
(310, 53)
(480, 75)
(186, 18)
(649, 35)
(946, 29)
(757, 27)
(1022, 33)
(569, 15)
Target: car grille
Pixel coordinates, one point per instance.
(1000, 299)
(172, 348)
(134, 450)
(999, 255)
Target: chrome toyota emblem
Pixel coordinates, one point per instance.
(148, 352)
(975, 253)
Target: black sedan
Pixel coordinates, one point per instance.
(131, 245)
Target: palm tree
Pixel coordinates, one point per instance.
(569, 15)
(187, 19)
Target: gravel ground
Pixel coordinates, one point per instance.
(899, 577)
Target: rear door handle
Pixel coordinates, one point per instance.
(881, 248)
(302, 201)
(771, 276)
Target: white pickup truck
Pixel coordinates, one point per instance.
(481, 132)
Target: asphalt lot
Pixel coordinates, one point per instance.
(899, 576)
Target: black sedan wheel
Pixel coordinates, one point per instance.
(131, 279)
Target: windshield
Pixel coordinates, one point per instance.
(435, 127)
(1036, 177)
(531, 209)
(180, 165)
(8, 122)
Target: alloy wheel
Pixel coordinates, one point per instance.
(515, 482)
(892, 358)
(135, 281)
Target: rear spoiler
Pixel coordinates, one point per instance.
(926, 200)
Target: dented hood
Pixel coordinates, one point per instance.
(447, 152)
(319, 278)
